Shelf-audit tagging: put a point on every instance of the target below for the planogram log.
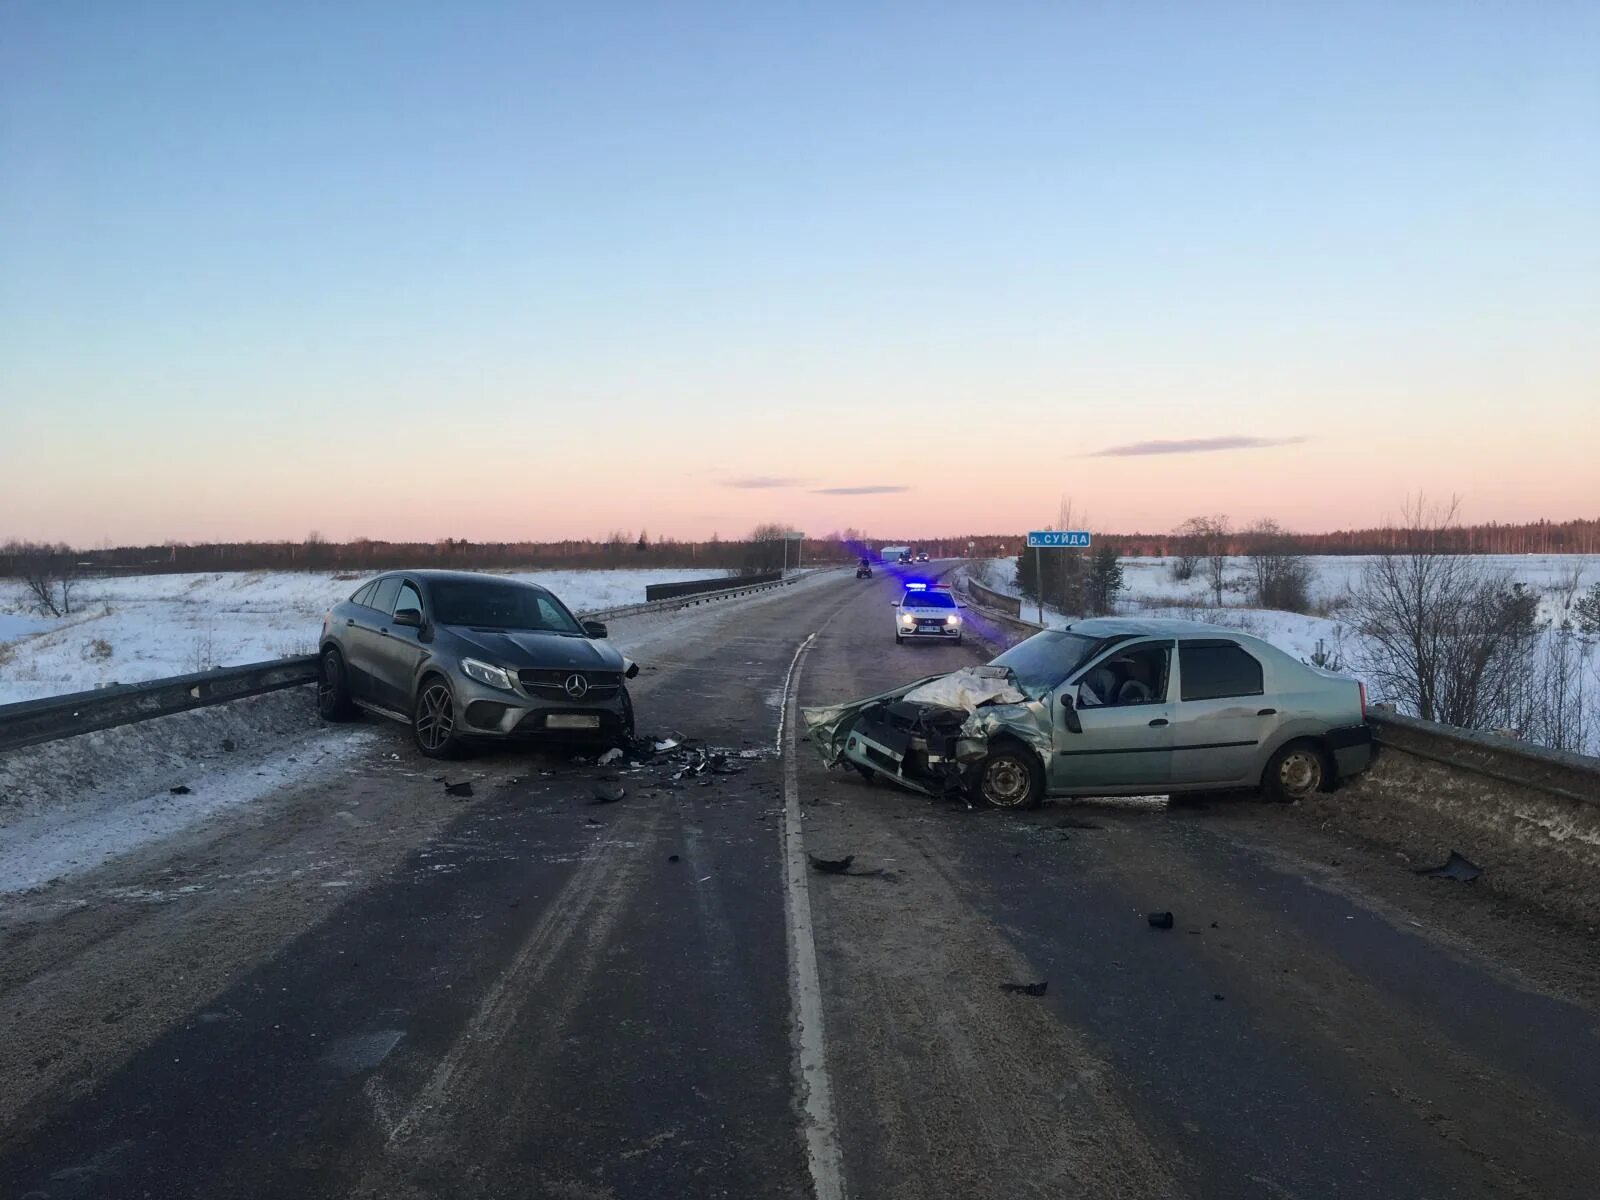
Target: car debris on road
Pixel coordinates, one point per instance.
(1026, 989)
(832, 866)
(1455, 868)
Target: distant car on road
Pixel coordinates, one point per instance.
(1117, 707)
(922, 557)
(864, 569)
(926, 611)
(462, 657)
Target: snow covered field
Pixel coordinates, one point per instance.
(148, 626)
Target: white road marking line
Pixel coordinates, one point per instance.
(823, 1153)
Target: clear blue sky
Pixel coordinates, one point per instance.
(265, 268)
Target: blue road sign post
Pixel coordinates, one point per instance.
(1040, 540)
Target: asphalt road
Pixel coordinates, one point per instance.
(364, 988)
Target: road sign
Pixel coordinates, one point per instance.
(795, 537)
(1058, 539)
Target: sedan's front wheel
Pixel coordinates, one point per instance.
(1010, 777)
(433, 719)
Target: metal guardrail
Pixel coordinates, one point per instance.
(692, 587)
(998, 602)
(676, 602)
(1574, 777)
(31, 722)
(35, 721)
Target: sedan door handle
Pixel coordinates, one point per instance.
(349, 620)
(1158, 722)
(1267, 712)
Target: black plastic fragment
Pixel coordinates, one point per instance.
(608, 793)
(458, 789)
(832, 866)
(181, 790)
(1159, 920)
(1455, 867)
(1026, 989)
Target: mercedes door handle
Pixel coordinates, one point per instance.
(1159, 721)
(1267, 712)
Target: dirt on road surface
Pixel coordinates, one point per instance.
(359, 985)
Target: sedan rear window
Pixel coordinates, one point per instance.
(491, 605)
(1214, 670)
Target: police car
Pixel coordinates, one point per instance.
(927, 612)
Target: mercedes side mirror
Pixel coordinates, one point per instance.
(410, 618)
(594, 629)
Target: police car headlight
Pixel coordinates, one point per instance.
(952, 619)
(907, 619)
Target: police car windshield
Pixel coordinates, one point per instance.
(929, 600)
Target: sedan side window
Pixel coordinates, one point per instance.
(409, 598)
(1214, 670)
(1136, 675)
(363, 596)
(383, 598)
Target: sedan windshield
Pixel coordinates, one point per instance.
(929, 600)
(490, 605)
(1045, 659)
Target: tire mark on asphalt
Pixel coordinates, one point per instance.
(588, 904)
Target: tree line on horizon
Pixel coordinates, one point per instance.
(759, 550)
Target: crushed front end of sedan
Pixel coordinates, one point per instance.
(935, 735)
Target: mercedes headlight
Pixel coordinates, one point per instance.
(495, 677)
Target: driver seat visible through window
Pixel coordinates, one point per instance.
(1137, 675)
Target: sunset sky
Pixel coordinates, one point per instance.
(416, 270)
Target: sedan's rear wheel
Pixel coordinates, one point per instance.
(433, 720)
(1298, 770)
(1009, 777)
(333, 688)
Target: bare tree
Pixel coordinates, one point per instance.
(1280, 576)
(1555, 704)
(48, 577)
(1445, 635)
(765, 550)
(1568, 579)
(1205, 541)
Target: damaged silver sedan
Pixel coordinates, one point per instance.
(1109, 707)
